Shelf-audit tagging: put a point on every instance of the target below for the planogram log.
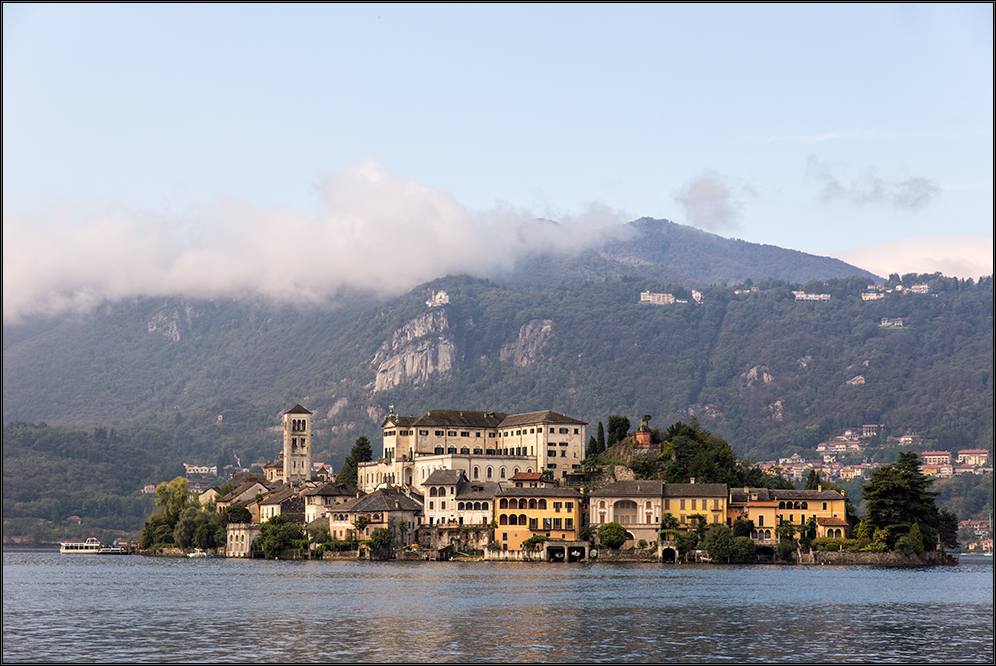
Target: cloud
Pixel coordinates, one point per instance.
(910, 193)
(963, 257)
(379, 232)
(711, 202)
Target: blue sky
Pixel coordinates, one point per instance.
(162, 149)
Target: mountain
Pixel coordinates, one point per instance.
(678, 254)
(205, 381)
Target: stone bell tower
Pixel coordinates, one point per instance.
(297, 445)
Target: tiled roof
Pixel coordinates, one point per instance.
(478, 490)
(642, 488)
(832, 522)
(383, 500)
(444, 477)
(694, 489)
(333, 489)
(297, 409)
(530, 418)
(538, 492)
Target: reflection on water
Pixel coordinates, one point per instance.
(62, 608)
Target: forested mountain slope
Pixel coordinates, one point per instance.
(207, 381)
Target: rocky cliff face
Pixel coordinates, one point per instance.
(173, 322)
(523, 351)
(421, 350)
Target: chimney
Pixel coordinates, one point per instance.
(691, 480)
(819, 488)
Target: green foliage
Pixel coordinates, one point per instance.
(236, 513)
(612, 535)
(912, 543)
(174, 497)
(601, 438)
(897, 497)
(361, 452)
(742, 550)
(535, 542)
(618, 429)
(719, 543)
(280, 539)
(742, 528)
(50, 474)
(381, 537)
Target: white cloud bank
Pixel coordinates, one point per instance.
(380, 232)
(963, 257)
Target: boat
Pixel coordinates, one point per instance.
(90, 547)
(197, 553)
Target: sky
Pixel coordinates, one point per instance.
(285, 151)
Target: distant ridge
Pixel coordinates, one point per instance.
(671, 252)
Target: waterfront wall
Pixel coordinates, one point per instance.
(888, 559)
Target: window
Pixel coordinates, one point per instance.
(564, 431)
(824, 506)
(477, 472)
(439, 433)
(489, 472)
(451, 433)
(442, 505)
(557, 506)
(760, 520)
(533, 522)
(431, 504)
(563, 454)
(503, 472)
(568, 523)
(557, 524)
(423, 432)
(465, 434)
(682, 507)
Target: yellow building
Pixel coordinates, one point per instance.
(769, 507)
(684, 500)
(523, 512)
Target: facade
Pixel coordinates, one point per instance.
(769, 507)
(524, 512)
(318, 502)
(452, 500)
(486, 446)
(936, 457)
(684, 500)
(297, 445)
(385, 508)
(240, 537)
(975, 457)
(636, 505)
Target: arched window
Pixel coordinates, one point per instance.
(601, 504)
(489, 472)
(805, 505)
(432, 491)
(523, 520)
(503, 472)
(513, 520)
(532, 504)
(781, 505)
(438, 450)
(503, 519)
(541, 505)
(515, 470)
(451, 449)
(477, 472)
(484, 506)
(503, 504)
(477, 506)
(459, 506)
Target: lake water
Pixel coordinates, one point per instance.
(140, 609)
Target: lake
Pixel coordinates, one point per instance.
(94, 608)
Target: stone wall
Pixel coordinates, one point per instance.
(889, 559)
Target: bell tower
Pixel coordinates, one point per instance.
(297, 445)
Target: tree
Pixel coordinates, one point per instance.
(618, 429)
(742, 528)
(612, 535)
(381, 537)
(237, 513)
(277, 537)
(360, 524)
(361, 452)
(743, 550)
(947, 527)
(174, 497)
(897, 496)
(592, 448)
(719, 543)
(601, 437)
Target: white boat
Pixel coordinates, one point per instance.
(197, 553)
(90, 547)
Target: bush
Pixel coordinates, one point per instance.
(612, 535)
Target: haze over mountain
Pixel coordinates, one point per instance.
(206, 379)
